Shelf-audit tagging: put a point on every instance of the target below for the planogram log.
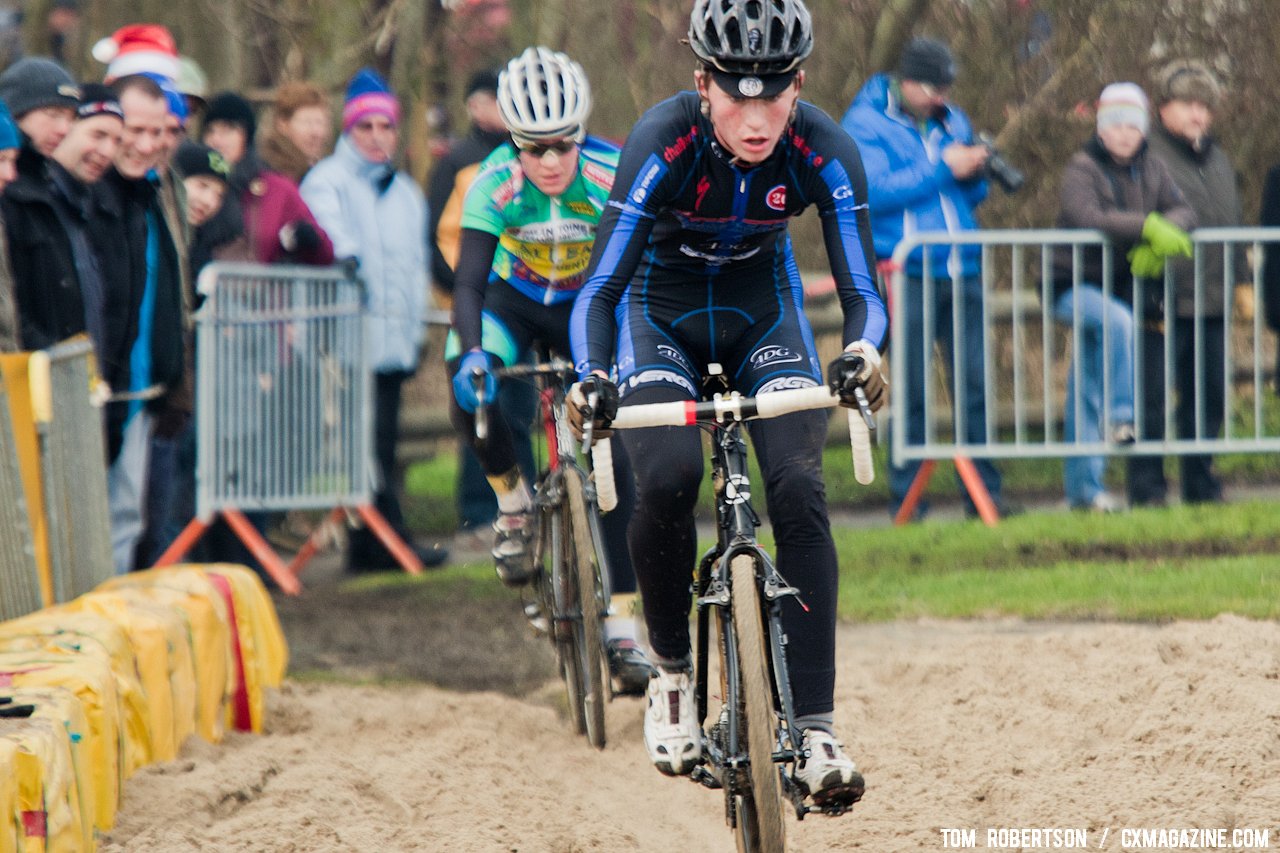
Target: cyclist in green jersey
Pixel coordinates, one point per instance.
(528, 223)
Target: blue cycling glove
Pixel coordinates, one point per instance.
(464, 386)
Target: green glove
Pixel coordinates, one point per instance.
(1166, 239)
(1144, 262)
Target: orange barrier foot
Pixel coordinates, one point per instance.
(258, 546)
(404, 555)
(186, 540)
(312, 545)
(907, 512)
(977, 491)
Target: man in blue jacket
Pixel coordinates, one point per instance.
(925, 174)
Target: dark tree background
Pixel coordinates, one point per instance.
(1030, 68)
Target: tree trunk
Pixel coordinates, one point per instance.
(893, 28)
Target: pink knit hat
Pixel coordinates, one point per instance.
(368, 94)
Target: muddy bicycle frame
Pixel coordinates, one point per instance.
(726, 754)
(576, 612)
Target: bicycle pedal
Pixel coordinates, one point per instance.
(837, 800)
(706, 778)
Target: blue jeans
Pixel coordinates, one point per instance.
(971, 368)
(1099, 315)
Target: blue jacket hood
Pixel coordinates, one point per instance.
(909, 186)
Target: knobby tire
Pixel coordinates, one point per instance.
(760, 827)
(590, 630)
(560, 599)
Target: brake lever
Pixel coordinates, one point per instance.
(482, 418)
(864, 407)
(589, 422)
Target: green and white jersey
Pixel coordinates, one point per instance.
(544, 244)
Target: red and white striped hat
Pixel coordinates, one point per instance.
(138, 49)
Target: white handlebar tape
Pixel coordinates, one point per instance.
(864, 471)
(602, 465)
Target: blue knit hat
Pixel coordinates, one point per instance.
(8, 130)
(368, 94)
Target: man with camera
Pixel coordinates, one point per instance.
(925, 172)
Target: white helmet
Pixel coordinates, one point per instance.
(543, 94)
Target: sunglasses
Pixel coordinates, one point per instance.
(539, 149)
(931, 91)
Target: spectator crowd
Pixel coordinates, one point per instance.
(115, 194)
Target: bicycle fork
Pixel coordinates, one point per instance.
(737, 522)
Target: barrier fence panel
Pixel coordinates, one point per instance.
(72, 459)
(1018, 404)
(283, 403)
(19, 577)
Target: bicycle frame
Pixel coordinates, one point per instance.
(736, 523)
(574, 593)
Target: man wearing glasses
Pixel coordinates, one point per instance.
(924, 173)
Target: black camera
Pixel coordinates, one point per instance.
(999, 169)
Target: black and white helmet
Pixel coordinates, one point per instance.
(543, 94)
(751, 36)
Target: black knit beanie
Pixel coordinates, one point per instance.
(195, 159)
(233, 109)
(927, 60)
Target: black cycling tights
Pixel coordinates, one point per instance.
(668, 465)
(497, 456)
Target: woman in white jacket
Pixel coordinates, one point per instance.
(377, 217)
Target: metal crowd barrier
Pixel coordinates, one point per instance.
(283, 405)
(73, 466)
(20, 592)
(1025, 367)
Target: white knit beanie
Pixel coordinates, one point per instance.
(1123, 103)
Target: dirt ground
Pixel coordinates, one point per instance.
(973, 725)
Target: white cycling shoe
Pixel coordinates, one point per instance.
(828, 775)
(671, 731)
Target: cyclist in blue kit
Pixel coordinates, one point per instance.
(693, 264)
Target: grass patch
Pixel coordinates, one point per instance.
(1148, 565)
(470, 581)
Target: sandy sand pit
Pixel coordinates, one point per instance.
(956, 725)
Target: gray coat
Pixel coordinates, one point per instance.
(1208, 180)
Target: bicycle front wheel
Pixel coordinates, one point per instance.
(760, 828)
(590, 630)
(558, 589)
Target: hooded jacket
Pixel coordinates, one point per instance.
(909, 187)
(377, 216)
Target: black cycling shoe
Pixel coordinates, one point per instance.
(628, 666)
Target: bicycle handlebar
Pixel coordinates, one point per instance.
(734, 407)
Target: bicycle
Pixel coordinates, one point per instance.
(571, 593)
(751, 750)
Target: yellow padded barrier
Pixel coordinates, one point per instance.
(68, 629)
(10, 814)
(190, 589)
(62, 706)
(263, 656)
(47, 795)
(154, 632)
(90, 679)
